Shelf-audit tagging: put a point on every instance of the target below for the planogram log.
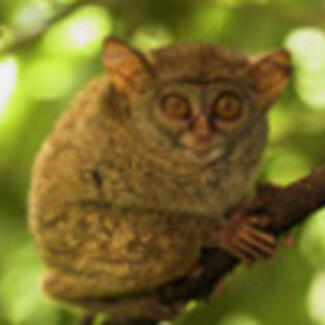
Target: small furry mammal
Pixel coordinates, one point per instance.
(147, 168)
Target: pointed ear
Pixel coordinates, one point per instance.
(270, 75)
(128, 67)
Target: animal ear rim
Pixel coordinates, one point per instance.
(271, 74)
(281, 54)
(123, 54)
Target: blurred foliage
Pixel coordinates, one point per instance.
(50, 48)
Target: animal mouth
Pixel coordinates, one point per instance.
(202, 150)
(199, 147)
(203, 154)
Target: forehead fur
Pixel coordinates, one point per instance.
(201, 62)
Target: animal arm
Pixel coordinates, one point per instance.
(285, 206)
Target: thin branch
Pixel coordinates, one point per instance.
(136, 12)
(22, 42)
(132, 322)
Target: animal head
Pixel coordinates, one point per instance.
(197, 101)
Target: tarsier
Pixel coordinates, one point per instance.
(147, 168)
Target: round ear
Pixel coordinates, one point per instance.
(270, 75)
(128, 67)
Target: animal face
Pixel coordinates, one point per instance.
(197, 101)
(199, 121)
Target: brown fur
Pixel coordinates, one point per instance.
(114, 208)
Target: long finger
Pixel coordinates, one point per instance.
(262, 235)
(249, 250)
(265, 248)
(241, 256)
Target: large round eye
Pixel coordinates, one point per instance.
(176, 106)
(227, 107)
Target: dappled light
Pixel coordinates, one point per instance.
(8, 80)
(316, 297)
(82, 32)
(48, 53)
(307, 46)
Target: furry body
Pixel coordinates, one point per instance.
(114, 209)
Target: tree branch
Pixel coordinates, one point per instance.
(20, 43)
(286, 207)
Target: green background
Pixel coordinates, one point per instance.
(49, 49)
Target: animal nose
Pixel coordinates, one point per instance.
(202, 129)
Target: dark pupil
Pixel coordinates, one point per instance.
(228, 104)
(228, 108)
(174, 103)
(176, 107)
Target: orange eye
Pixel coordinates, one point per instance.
(228, 107)
(176, 106)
